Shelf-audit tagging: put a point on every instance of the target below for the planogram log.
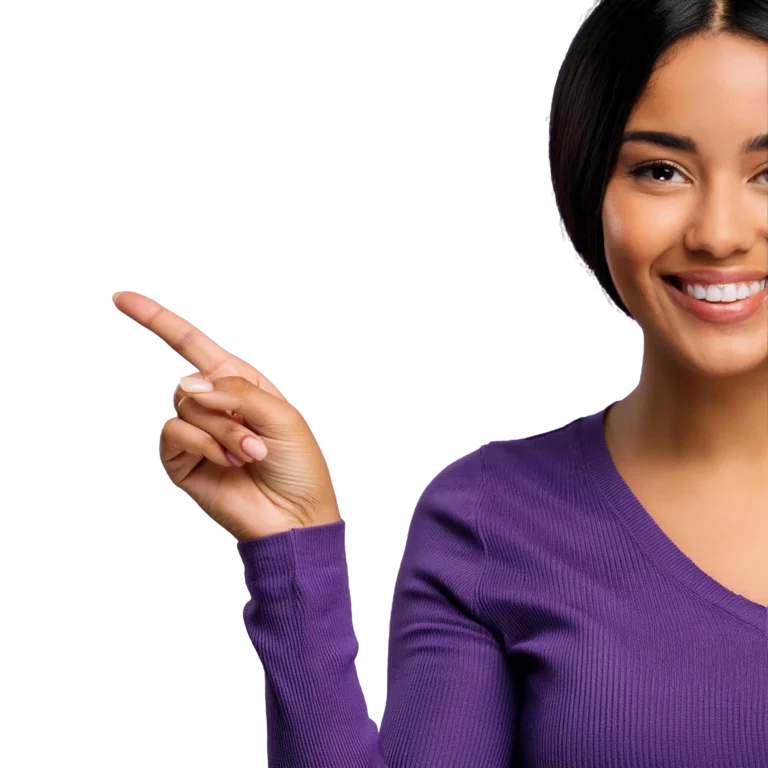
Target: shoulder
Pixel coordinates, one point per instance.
(457, 485)
(501, 481)
(535, 457)
(529, 480)
(517, 469)
(443, 553)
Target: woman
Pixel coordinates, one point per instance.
(591, 596)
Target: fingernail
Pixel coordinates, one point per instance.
(254, 447)
(189, 384)
(236, 460)
(115, 295)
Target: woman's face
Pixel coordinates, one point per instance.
(703, 209)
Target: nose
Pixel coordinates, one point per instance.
(727, 218)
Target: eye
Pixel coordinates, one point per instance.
(763, 173)
(641, 171)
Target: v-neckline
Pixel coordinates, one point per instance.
(646, 531)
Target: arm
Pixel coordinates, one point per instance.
(450, 692)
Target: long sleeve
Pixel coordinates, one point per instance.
(450, 692)
(540, 617)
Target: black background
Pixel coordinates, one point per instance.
(359, 204)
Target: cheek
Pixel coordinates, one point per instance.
(637, 232)
(638, 228)
(627, 245)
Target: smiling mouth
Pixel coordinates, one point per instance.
(677, 282)
(696, 301)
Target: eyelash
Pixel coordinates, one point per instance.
(638, 170)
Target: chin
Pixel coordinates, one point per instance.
(721, 356)
(715, 350)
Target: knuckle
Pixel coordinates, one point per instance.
(185, 341)
(209, 440)
(239, 388)
(237, 384)
(221, 363)
(231, 431)
(185, 404)
(293, 416)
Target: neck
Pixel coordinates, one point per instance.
(675, 414)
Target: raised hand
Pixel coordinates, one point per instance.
(251, 498)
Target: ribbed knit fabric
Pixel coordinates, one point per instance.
(541, 618)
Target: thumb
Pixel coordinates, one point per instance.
(262, 412)
(179, 394)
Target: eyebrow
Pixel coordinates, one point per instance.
(686, 144)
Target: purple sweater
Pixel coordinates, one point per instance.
(540, 618)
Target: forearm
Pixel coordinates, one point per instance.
(300, 624)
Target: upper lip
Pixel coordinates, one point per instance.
(718, 276)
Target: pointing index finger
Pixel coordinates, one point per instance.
(190, 342)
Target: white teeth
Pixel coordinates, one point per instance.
(723, 293)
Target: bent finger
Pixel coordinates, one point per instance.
(229, 433)
(179, 437)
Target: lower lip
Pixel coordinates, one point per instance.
(728, 312)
